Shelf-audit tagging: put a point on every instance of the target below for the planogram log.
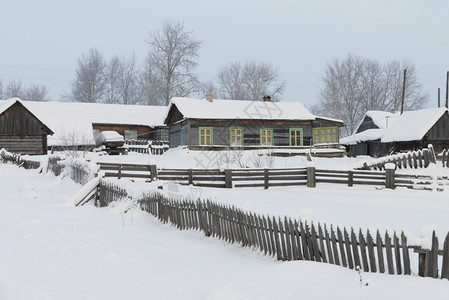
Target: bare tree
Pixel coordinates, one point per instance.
(354, 85)
(1, 89)
(36, 93)
(112, 74)
(150, 84)
(15, 88)
(173, 58)
(89, 83)
(128, 86)
(251, 81)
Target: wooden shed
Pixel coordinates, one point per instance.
(20, 130)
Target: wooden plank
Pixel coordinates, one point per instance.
(334, 247)
(372, 257)
(277, 240)
(364, 257)
(342, 248)
(355, 249)
(288, 239)
(314, 240)
(295, 246)
(330, 254)
(305, 247)
(405, 255)
(389, 254)
(322, 249)
(432, 263)
(272, 238)
(397, 254)
(348, 249)
(445, 266)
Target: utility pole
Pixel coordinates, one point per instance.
(447, 87)
(439, 102)
(403, 90)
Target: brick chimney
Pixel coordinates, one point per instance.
(267, 98)
(209, 97)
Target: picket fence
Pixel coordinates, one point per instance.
(287, 239)
(147, 146)
(412, 160)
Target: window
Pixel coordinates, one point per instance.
(183, 136)
(295, 136)
(206, 136)
(130, 134)
(236, 136)
(325, 135)
(266, 137)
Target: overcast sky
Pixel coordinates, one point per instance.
(42, 40)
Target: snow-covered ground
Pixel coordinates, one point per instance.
(53, 250)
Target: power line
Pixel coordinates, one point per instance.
(36, 68)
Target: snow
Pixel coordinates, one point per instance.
(367, 135)
(413, 125)
(54, 250)
(72, 122)
(108, 136)
(241, 109)
(383, 119)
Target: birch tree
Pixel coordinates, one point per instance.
(173, 58)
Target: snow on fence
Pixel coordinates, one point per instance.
(18, 160)
(412, 159)
(238, 178)
(444, 158)
(288, 239)
(147, 146)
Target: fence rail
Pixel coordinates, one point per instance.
(288, 239)
(154, 147)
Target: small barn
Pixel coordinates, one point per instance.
(21, 131)
(366, 139)
(410, 131)
(224, 124)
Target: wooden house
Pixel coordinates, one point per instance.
(79, 123)
(224, 124)
(412, 130)
(21, 131)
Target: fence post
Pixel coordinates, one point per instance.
(153, 172)
(311, 180)
(350, 178)
(389, 175)
(228, 178)
(119, 175)
(265, 177)
(190, 176)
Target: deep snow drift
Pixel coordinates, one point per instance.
(53, 250)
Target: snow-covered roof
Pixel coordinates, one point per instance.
(383, 119)
(413, 125)
(364, 136)
(74, 120)
(6, 104)
(242, 109)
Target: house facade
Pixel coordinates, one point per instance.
(223, 124)
(21, 131)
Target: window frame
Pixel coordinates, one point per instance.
(301, 136)
(325, 136)
(211, 136)
(272, 136)
(241, 136)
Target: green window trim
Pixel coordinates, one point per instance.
(323, 137)
(231, 135)
(295, 130)
(262, 137)
(205, 135)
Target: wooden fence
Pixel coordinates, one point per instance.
(412, 159)
(288, 239)
(147, 146)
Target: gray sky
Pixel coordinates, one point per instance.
(42, 40)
